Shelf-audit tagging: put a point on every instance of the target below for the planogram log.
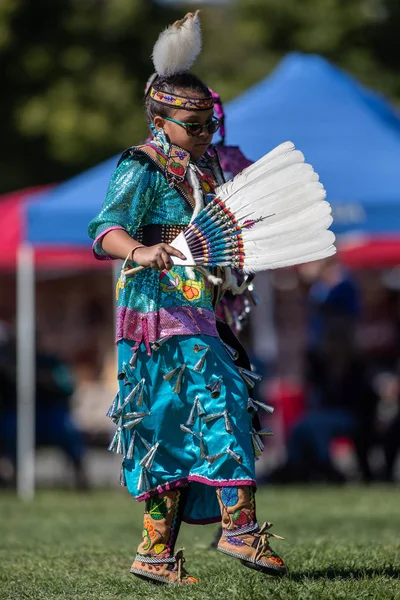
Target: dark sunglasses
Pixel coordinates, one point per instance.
(196, 129)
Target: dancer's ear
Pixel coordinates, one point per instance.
(159, 122)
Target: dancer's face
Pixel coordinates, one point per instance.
(181, 136)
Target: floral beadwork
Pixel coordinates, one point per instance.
(190, 288)
(181, 101)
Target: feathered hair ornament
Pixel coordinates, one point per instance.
(178, 46)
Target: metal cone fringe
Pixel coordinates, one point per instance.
(234, 455)
(178, 384)
(198, 367)
(215, 387)
(148, 459)
(250, 378)
(234, 354)
(143, 483)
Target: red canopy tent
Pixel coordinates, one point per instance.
(370, 252)
(12, 224)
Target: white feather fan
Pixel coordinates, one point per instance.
(271, 215)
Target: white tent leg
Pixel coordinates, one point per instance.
(26, 372)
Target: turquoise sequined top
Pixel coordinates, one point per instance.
(150, 304)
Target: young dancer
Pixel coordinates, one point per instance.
(183, 414)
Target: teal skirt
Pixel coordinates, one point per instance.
(182, 416)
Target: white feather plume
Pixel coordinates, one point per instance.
(285, 193)
(178, 46)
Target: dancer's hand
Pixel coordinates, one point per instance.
(157, 257)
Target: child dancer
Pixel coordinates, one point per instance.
(183, 415)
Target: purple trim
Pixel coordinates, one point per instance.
(177, 320)
(184, 481)
(98, 240)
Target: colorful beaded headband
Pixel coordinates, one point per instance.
(181, 101)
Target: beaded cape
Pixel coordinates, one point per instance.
(149, 187)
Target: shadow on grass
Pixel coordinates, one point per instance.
(331, 573)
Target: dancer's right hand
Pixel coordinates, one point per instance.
(157, 256)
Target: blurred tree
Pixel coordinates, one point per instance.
(73, 71)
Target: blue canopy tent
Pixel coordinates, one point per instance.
(347, 132)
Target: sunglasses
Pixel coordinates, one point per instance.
(196, 129)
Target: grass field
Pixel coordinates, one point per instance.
(340, 544)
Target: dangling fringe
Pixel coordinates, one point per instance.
(258, 446)
(170, 374)
(212, 417)
(115, 441)
(199, 436)
(228, 423)
(234, 455)
(178, 384)
(250, 378)
(111, 413)
(203, 451)
(131, 448)
(144, 442)
(143, 483)
(200, 409)
(192, 417)
(139, 400)
(186, 429)
(122, 479)
(157, 345)
(130, 398)
(117, 444)
(133, 360)
(211, 459)
(198, 367)
(269, 409)
(199, 348)
(233, 354)
(134, 419)
(148, 459)
(265, 431)
(214, 386)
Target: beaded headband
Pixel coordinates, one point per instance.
(181, 101)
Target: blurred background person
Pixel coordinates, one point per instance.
(54, 424)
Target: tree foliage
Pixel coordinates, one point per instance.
(73, 71)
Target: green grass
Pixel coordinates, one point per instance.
(340, 544)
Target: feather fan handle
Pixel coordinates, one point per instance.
(178, 46)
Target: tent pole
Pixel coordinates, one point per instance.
(26, 372)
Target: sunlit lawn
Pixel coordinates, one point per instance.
(340, 543)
